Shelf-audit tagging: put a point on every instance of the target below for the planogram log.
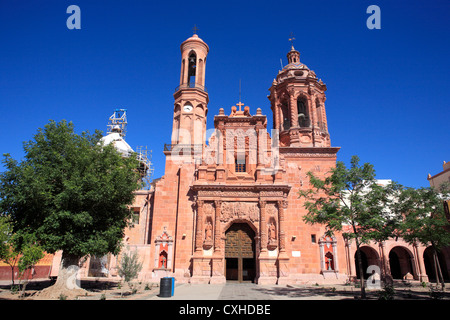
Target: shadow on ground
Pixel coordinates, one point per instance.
(401, 292)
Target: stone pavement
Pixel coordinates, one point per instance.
(250, 291)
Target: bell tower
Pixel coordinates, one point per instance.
(191, 96)
(297, 99)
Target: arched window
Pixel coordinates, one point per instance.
(303, 116)
(192, 69)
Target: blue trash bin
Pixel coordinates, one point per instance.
(173, 285)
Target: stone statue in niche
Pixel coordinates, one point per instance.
(272, 232)
(208, 231)
(207, 244)
(272, 235)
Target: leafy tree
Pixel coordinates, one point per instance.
(23, 254)
(424, 220)
(129, 266)
(349, 201)
(70, 192)
(31, 253)
(8, 254)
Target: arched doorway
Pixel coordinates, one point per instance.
(429, 264)
(369, 257)
(400, 262)
(240, 262)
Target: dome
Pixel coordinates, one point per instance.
(194, 41)
(118, 142)
(295, 66)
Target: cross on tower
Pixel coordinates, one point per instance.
(240, 104)
(195, 29)
(291, 39)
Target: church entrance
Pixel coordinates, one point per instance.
(240, 262)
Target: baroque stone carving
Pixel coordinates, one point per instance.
(239, 210)
(208, 209)
(271, 209)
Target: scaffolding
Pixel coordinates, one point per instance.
(118, 120)
(118, 123)
(144, 157)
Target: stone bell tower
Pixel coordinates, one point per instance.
(297, 99)
(191, 96)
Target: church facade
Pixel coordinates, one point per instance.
(228, 209)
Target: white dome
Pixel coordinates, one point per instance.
(118, 142)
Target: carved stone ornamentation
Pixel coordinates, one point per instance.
(240, 210)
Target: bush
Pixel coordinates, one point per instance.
(129, 266)
(387, 293)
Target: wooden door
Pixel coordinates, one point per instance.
(240, 253)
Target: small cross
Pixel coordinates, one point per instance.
(240, 104)
(195, 29)
(292, 38)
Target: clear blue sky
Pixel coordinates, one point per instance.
(388, 90)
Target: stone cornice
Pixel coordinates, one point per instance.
(238, 187)
(309, 151)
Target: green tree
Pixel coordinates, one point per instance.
(31, 252)
(8, 253)
(424, 220)
(70, 192)
(129, 266)
(349, 201)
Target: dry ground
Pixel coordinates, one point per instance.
(103, 289)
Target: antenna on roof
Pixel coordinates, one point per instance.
(118, 122)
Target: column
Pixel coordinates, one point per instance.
(156, 254)
(262, 226)
(350, 261)
(312, 114)
(218, 258)
(217, 231)
(282, 205)
(293, 109)
(322, 255)
(335, 255)
(169, 256)
(419, 260)
(276, 116)
(386, 273)
(199, 230)
(283, 259)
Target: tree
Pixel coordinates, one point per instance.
(129, 266)
(31, 253)
(17, 252)
(8, 254)
(349, 201)
(424, 220)
(70, 192)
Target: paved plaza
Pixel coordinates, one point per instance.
(231, 291)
